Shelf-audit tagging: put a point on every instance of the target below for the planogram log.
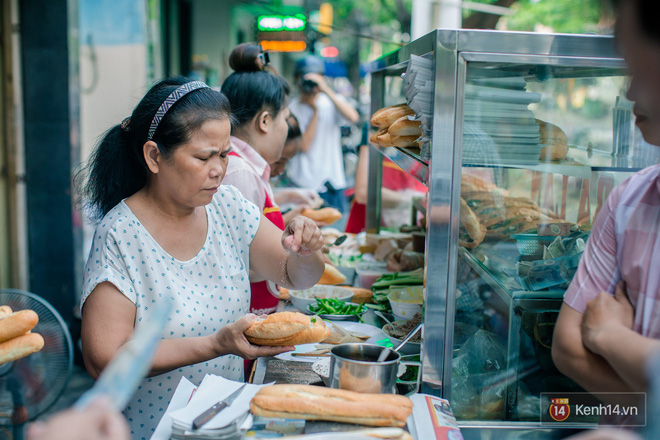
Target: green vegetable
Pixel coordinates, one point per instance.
(333, 306)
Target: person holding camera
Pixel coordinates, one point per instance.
(320, 112)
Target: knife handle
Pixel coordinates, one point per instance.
(207, 415)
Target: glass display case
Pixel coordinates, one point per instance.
(528, 135)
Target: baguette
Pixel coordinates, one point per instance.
(361, 295)
(287, 328)
(319, 403)
(379, 118)
(374, 137)
(384, 140)
(17, 324)
(405, 127)
(20, 347)
(5, 311)
(398, 113)
(331, 276)
(325, 215)
(404, 141)
(554, 139)
(553, 152)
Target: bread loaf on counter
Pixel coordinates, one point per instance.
(320, 403)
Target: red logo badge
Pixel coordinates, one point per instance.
(559, 409)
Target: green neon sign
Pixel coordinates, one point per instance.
(273, 23)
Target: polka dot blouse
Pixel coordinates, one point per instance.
(207, 292)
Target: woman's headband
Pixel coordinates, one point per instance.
(169, 102)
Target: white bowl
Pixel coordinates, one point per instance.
(406, 301)
(303, 298)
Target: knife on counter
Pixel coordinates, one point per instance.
(207, 415)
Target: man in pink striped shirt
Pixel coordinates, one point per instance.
(609, 323)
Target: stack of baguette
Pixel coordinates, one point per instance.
(395, 129)
(488, 212)
(319, 403)
(16, 340)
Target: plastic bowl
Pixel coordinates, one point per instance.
(301, 299)
(369, 272)
(355, 318)
(406, 301)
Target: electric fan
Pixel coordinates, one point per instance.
(31, 385)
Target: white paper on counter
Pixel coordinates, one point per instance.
(433, 419)
(180, 399)
(213, 389)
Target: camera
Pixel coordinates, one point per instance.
(307, 85)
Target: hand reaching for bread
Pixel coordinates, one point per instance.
(302, 237)
(232, 339)
(16, 340)
(287, 328)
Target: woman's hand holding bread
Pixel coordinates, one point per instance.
(286, 329)
(302, 237)
(231, 339)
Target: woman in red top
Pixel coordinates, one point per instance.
(259, 104)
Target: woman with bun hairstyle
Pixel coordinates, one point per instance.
(259, 104)
(169, 231)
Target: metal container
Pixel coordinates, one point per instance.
(354, 367)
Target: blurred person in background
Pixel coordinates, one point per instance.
(320, 111)
(609, 323)
(298, 198)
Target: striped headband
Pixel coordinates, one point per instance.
(179, 93)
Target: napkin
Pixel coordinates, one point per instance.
(180, 399)
(213, 389)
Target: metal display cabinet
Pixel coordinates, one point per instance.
(488, 317)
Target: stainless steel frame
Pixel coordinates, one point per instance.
(452, 50)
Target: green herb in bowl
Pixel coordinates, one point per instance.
(334, 309)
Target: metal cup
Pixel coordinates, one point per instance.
(354, 367)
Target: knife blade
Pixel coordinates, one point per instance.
(207, 415)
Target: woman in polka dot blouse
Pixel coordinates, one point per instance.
(169, 231)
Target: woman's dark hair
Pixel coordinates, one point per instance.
(245, 58)
(250, 89)
(117, 169)
(294, 127)
(647, 16)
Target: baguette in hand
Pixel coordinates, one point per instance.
(287, 328)
(320, 403)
